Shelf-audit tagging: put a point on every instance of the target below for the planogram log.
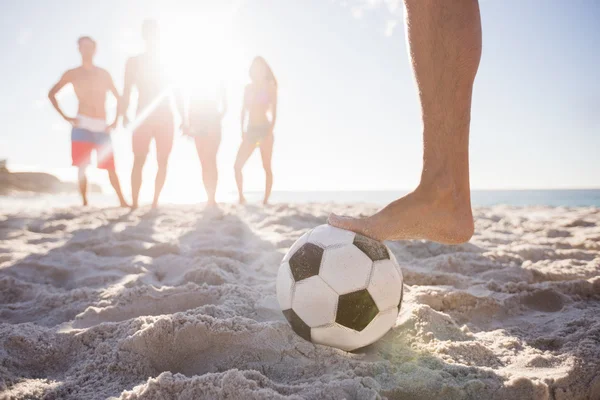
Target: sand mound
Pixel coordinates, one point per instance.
(180, 303)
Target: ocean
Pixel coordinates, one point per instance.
(554, 198)
(567, 198)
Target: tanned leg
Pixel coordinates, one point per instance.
(114, 181)
(266, 153)
(161, 176)
(245, 151)
(444, 39)
(207, 148)
(136, 178)
(82, 178)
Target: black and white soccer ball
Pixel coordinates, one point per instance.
(339, 288)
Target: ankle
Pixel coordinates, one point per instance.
(452, 198)
(443, 187)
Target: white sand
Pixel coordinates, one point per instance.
(180, 303)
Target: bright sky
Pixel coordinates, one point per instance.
(348, 112)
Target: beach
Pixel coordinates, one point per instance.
(180, 302)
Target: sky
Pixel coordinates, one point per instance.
(348, 115)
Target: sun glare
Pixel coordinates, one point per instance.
(199, 48)
(200, 51)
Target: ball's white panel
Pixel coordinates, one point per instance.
(385, 285)
(347, 339)
(314, 301)
(381, 325)
(395, 261)
(297, 244)
(327, 235)
(346, 269)
(285, 286)
(336, 336)
(392, 256)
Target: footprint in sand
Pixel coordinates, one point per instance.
(544, 300)
(46, 228)
(39, 241)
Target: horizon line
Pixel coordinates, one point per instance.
(52, 171)
(409, 190)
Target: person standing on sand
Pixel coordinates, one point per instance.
(90, 131)
(207, 107)
(154, 119)
(444, 40)
(260, 99)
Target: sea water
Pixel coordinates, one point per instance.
(554, 198)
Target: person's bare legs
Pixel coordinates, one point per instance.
(164, 145)
(266, 153)
(445, 48)
(207, 148)
(114, 181)
(82, 179)
(161, 176)
(136, 178)
(244, 153)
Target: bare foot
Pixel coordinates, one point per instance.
(211, 204)
(85, 201)
(123, 203)
(436, 215)
(212, 209)
(242, 200)
(265, 202)
(134, 206)
(154, 205)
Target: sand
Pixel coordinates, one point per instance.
(180, 303)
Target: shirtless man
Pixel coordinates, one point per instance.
(90, 131)
(154, 119)
(444, 39)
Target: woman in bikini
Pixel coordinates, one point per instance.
(207, 107)
(260, 102)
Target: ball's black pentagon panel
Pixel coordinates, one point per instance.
(371, 247)
(356, 310)
(306, 261)
(297, 324)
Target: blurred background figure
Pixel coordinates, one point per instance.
(154, 117)
(260, 102)
(207, 107)
(90, 131)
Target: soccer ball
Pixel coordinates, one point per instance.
(339, 288)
